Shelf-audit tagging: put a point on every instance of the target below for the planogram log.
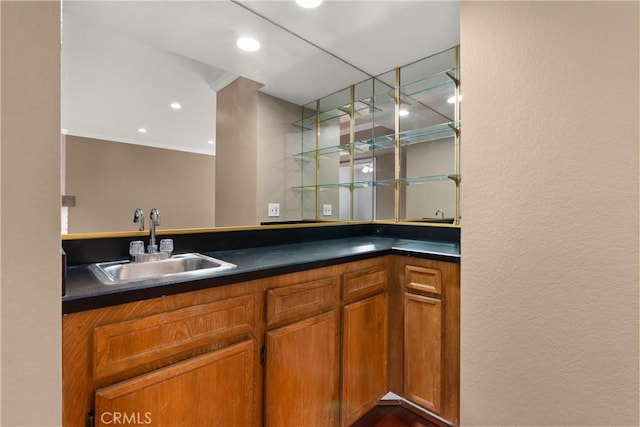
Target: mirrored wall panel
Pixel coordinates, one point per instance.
(386, 148)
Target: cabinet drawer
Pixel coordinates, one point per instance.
(296, 301)
(365, 282)
(131, 344)
(176, 394)
(423, 280)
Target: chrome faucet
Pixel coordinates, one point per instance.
(155, 221)
(138, 218)
(136, 248)
(440, 211)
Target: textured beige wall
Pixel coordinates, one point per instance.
(30, 205)
(255, 146)
(550, 213)
(110, 180)
(236, 152)
(277, 170)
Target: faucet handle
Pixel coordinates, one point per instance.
(136, 248)
(166, 245)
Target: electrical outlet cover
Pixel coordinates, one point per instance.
(326, 210)
(273, 209)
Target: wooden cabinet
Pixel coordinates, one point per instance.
(300, 300)
(430, 330)
(300, 373)
(316, 348)
(423, 351)
(163, 361)
(124, 346)
(301, 350)
(206, 390)
(364, 340)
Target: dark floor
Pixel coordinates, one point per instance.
(392, 416)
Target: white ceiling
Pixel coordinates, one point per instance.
(124, 62)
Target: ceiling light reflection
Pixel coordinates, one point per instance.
(309, 4)
(248, 43)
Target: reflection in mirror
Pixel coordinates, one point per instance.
(395, 140)
(125, 65)
(428, 144)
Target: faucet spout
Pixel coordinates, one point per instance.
(155, 221)
(440, 211)
(138, 218)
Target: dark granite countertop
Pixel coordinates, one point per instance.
(85, 292)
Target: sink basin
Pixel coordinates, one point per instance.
(191, 265)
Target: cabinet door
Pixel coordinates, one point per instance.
(208, 390)
(364, 356)
(423, 351)
(300, 373)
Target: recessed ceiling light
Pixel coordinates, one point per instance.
(176, 106)
(309, 4)
(403, 112)
(248, 43)
(142, 130)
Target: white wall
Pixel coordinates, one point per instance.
(30, 205)
(114, 84)
(550, 213)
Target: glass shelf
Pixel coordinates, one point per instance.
(336, 150)
(414, 136)
(435, 86)
(382, 182)
(432, 81)
(320, 187)
(309, 122)
(429, 95)
(427, 179)
(426, 140)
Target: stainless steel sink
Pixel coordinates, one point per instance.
(182, 266)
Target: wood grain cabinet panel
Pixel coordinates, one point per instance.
(364, 356)
(423, 351)
(133, 343)
(300, 300)
(368, 281)
(301, 387)
(423, 279)
(427, 329)
(214, 389)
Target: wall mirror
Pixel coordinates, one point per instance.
(141, 79)
(394, 139)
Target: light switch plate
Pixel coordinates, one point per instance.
(273, 209)
(326, 210)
